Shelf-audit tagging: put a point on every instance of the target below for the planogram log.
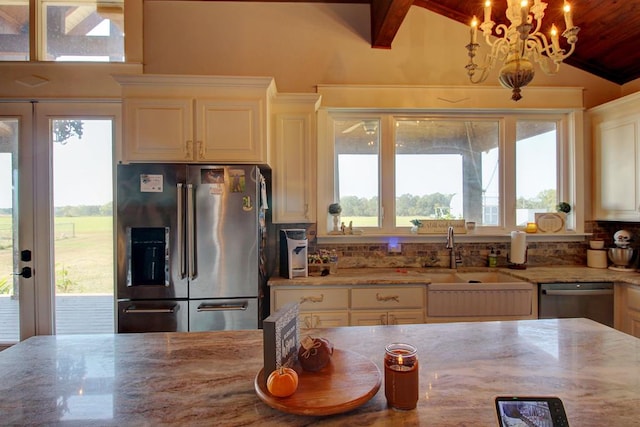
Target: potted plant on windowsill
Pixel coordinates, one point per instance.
(334, 210)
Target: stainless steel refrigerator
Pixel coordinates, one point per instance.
(190, 247)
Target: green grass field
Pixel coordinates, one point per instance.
(83, 254)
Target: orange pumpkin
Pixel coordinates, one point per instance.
(282, 382)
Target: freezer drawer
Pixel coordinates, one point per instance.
(153, 316)
(223, 314)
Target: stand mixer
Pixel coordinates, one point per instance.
(623, 255)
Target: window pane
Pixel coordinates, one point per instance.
(84, 31)
(14, 31)
(9, 259)
(357, 145)
(447, 169)
(536, 169)
(83, 226)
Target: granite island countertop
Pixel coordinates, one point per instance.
(390, 276)
(206, 378)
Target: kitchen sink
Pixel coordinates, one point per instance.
(443, 277)
(486, 277)
(470, 277)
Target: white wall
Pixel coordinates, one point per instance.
(300, 44)
(305, 44)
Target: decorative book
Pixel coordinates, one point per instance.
(281, 338)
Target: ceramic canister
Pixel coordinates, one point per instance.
(596, 258)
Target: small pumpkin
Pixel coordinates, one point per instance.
(282, 382)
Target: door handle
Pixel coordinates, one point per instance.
(26, 272)
(223, 307)
(132, 309)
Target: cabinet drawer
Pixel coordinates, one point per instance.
(389, 297)
(633, 295)
(311, 298)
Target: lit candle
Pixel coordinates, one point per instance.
(487, 11)
(474, 30)
(524, 10)
(568, 20)
(401, 376)
(554, 38)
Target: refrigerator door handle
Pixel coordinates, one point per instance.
(223, 306)
(180, 233)
(191, 233)
(132, 309)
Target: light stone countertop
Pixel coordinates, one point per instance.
(206, 378)
(391, 276)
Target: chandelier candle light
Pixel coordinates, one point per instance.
(520, 44)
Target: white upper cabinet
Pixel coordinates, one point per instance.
(294, 169)
(196, 119)
(616, 156)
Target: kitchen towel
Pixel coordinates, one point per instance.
(518, 247)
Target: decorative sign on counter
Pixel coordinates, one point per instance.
(440, 226)
(551, 222)
(281, 338)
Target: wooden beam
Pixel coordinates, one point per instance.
(438, 8)
(386, 18)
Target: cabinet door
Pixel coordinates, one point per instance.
(617, 162)
(633, 321)
(230, 131)
(368, 318)
(294, 171)
(324, 319)
(158, 130)
(407, 317)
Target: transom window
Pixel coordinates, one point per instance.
(497, 171)
(82, 30)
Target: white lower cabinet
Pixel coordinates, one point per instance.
(324, 319)
(320, 307)
(372, 318)
(628, 309)
(358, 305)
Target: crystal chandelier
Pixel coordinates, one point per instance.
(520, 44)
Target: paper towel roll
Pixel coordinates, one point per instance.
(518, 247)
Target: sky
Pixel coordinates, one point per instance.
(82, 168)
(443, 173)
(83, 171)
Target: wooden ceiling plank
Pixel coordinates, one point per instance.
(386, 18)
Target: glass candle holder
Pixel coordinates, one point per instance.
(401, 376)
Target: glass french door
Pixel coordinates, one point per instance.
(59, 217)
(17, 282)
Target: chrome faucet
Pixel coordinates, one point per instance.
(454, 259)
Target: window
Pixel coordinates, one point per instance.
(391, 169)
(536, 169)
(83, 30)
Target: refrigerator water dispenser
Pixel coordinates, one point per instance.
(148, 256)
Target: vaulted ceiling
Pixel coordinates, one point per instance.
(607, 42)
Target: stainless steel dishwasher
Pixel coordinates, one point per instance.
(592, 300)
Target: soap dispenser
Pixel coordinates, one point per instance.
(493, 258)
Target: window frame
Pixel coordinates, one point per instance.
(567, 176)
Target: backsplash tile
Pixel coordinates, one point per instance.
(368, 255)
